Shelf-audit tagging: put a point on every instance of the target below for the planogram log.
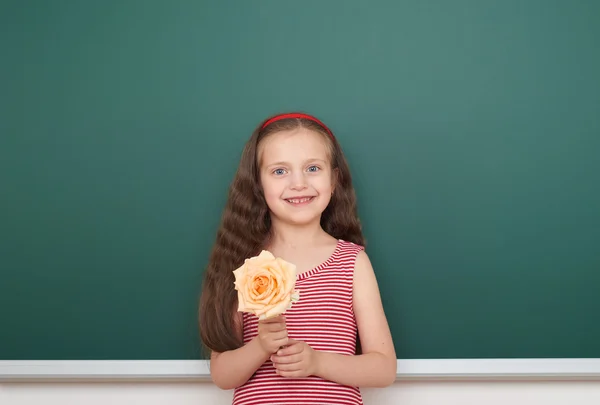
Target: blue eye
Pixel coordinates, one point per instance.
(313, 168)
(278, 171)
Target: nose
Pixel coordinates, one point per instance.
(298, 181)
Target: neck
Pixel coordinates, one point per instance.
(291, 236)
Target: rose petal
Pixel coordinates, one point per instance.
(265, 285)
(276, 310)
(264, 296)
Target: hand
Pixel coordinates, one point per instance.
(272, 334)
(296, 360)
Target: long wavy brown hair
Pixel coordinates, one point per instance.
(245, 230)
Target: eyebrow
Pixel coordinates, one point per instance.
(306, 161)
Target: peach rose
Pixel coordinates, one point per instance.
(265, 285)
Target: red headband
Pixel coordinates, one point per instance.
(297, 115)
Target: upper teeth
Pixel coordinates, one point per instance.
(299, 200)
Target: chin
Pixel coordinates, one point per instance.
(314, 221)
(299, 220)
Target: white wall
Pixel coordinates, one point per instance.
(404, 393)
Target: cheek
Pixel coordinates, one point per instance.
(271, 190)
(325, 185)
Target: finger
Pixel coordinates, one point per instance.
(291, 373)
(272, 325)
(279, 335)
(293, 347)
(267, 333)
(279, 339)
(295, 366)
(275, 319)
(296, 358)
(280, 342)
(275, 327)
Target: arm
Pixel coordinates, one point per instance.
(233, 368)
(376, 366)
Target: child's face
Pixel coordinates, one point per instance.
(296, 175)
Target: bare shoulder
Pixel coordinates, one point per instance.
(363, 268)
(370, 316)
(363, 261)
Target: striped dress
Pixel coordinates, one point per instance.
(324, 319)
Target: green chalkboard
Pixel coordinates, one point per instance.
(472, 129)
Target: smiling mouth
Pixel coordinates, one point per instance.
(299, 201)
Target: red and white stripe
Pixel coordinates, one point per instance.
(323, 318)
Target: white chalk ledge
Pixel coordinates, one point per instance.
(198, 370)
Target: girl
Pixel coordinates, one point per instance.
(293, 195)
